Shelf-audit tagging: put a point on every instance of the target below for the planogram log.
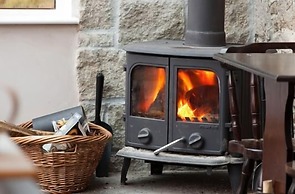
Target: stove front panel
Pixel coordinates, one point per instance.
(198, 105)
(146, 101)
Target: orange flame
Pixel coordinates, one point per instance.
(184, 111)
(206, 77)
(187, 80)
(156, 86)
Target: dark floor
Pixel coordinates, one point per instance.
(170, 182)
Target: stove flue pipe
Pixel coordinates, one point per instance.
(205, 23)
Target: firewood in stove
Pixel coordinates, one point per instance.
(203, 97)
(159, 102)
(157, 114)
(151, 114)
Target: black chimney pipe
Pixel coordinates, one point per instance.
(205, 23)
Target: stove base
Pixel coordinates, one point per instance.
(157, 161)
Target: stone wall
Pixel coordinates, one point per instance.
(274, 20)
(107, 25)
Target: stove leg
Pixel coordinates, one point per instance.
(156, 168)
(126, 164)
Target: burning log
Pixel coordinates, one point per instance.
(151, 114)
(203, 99)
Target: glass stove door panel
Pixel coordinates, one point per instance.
(146, 101)
(197, 96)
(148, 96)
(198, 106)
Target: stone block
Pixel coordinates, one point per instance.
(113, 114)
(274, 21)
(110, 63)
(95, 14)
(149, 20)
(95, 39)
(237, 21)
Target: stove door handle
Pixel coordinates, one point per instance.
(144, 136)
(196, 141)
(156, 152)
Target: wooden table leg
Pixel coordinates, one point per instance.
(277, 147)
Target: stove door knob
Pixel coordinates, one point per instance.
(144, 136)
(195, 141)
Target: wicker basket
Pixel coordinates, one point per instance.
(65, 172)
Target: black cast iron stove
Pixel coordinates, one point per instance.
(177, 97)
(176, 91)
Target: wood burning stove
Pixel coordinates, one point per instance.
(177, 97)
(181, 94)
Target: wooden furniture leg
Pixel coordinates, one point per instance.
(247, 170)
(277, 143)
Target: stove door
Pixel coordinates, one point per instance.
(146, 101)
(198, 106)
